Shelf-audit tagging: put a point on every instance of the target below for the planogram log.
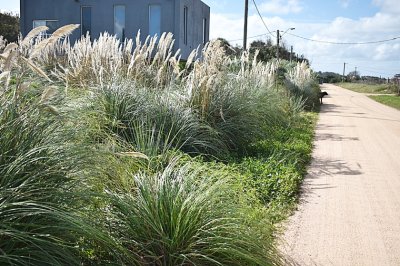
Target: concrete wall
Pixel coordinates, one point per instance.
(197, 11)
(137, 17)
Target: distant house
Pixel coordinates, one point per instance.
(188, 20)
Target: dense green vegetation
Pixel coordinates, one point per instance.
(329, 77)
(266, 51)
(390, 100)
(9, 26)
(116, 154)
(370, 88)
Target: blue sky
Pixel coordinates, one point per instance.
(9, 5)
(311, 10)
(329, 20)
(332, 20)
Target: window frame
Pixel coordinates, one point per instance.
(152, 34)
(122, 38)
(185, 24)
(205, 31)
(90, 31)
(46, 34)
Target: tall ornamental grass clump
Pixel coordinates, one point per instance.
(153, 123)
(87, 178)
(186, 216)
(232, 95)
(301, 83)
(213, 105)
(38, 190)
(2, 43)
(148, 63)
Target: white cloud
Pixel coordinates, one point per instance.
(225, 26)
(387, 52)
(382, 57)
(388, 6)
(281, 6)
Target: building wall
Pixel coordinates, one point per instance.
(137, 17)
(197, 12)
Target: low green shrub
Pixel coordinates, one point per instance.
(278, 164)
(186, 216)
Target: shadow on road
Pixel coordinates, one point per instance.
(330, 108)
(320, 169)
(366, 117)
(336, 110)
(325, 126)
(334, 137)
(322, 166)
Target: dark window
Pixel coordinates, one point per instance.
(185, 24)
(86, 20)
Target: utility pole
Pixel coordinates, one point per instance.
(344, 71)
(398, 88)
(291, 53)
(246, 16)
(277, 44)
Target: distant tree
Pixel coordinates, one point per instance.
(329, 77)
(229, 49)
(302, 58)
(267, 51)
(9, 26)
(353, 75)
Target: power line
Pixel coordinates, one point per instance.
(375, 72)
(344, 43)
(327, 42)
(251, 37)
(375, 69)
(262, 19)
(309, 39)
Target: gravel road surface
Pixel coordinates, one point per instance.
(349, 211)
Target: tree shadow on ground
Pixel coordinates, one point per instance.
(319, 169)
(334, 137)
(321, 166)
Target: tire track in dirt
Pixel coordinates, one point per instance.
(349, 211)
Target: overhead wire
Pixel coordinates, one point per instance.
(344, 43)
(262, 19)
(309, 39)
(372, 70)
(315, 40)
(327, 42)
(251, 37)
(264, 23)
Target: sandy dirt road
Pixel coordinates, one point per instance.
(349, 212)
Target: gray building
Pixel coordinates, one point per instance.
(188, 20)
